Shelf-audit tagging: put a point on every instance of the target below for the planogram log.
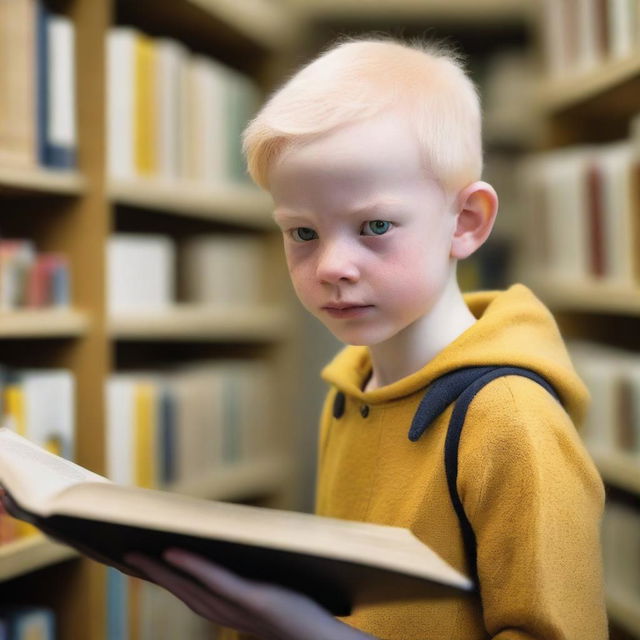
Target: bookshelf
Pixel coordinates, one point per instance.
(196, 322)
(619, 469)
(41, 181)
(32, 553)
(43, 324)
(76, 211)
(488, 12)
(603, 86)
(595, 103)
(240, 204)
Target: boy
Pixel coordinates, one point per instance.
(372, 154)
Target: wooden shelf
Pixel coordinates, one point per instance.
(269, 24)
(44, 181)
(234, 204)
(43, 323)
(619, 469)
(609, 88)
(624, 610)
(487, 12)
(196, 322)
(588, 296)
(242, 481)
(29, 554)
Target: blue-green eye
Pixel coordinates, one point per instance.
(303, 234)
(375, 227)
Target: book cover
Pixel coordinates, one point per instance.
(335, 562)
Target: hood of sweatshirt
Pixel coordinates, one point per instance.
(513, 328)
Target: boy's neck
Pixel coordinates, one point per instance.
(411, 349)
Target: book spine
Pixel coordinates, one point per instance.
(61, 134)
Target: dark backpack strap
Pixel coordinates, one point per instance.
(461, 386)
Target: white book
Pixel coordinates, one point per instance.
(621, 22)
(190, 136)
(554, 32)
(569, 237)
(211, 85)
(632, 377)
(589, 51)
(170, 57)
(120, 425)
(62, 87)
(601, 369)
(199, 420)
(49, 396)
(120, 102)
(223, 269)
(140, 272)
(615, 162)
(621, 549)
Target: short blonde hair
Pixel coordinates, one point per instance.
(359, 78)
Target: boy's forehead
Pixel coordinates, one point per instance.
(377, 205)
(381, 150)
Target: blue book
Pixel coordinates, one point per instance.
(55, 90)
(28, 623)
(42, 80)
(168, 442)
(117, 605)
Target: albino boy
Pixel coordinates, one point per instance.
(372, 154)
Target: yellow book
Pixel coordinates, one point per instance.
(144, 106)
(15, 407)
(16, 411)
(144, 433)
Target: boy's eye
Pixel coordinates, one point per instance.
(375, 227)
(303, 234)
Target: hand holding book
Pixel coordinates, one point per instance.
(263, 610)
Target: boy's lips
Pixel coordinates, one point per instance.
(346, 309)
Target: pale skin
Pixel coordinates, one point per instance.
(372, 241)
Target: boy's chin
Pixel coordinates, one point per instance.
(359, 338)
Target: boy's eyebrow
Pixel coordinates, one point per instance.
(358, 210)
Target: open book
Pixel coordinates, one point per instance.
(335, 562)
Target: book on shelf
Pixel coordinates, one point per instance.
(335, 562)
(582, 208)
(56, 94)
(140, 272)
(38, 404)
(142, 610)
(223, 269)
(27, 623)
(173, 427)
(30, 279)
(37, 87)
(612, 376)
(580, 36)
(621, 549)
(172, 114)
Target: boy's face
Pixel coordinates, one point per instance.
(367, 231)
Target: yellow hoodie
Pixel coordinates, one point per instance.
(528, 487)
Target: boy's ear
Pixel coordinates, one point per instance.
(476, 209)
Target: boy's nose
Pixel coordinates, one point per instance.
(336, 264)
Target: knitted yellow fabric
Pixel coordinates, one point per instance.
(529, 489)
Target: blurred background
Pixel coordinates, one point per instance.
(148, 329)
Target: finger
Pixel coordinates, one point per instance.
(197, 598)
(212, 575)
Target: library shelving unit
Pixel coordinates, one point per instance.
(74, 212)
(488, 12)
(597, 107)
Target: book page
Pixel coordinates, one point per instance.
(32, 475)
